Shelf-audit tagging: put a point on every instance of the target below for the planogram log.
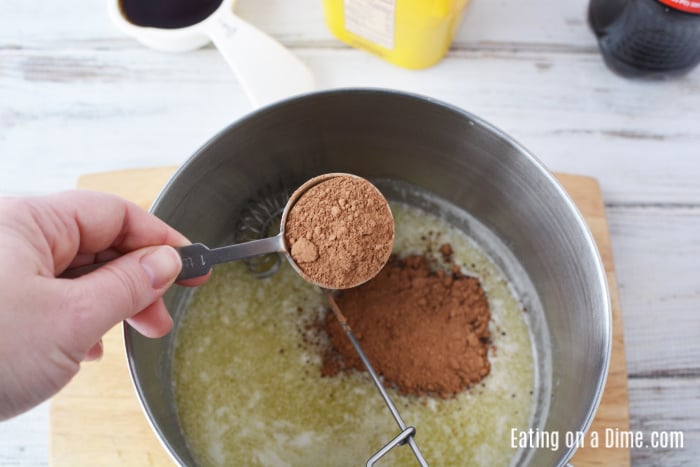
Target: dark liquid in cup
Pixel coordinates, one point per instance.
(168, 14)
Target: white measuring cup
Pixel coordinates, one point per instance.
(266, 70)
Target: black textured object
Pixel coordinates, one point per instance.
(646, 38)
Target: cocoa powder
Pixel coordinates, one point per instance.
(340, 232)
(425, 332)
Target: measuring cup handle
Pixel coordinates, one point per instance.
(197, 259)
(266, 70)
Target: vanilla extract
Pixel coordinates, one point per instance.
(168, 14)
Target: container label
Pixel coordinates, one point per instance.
(372, 20)
(689, 6)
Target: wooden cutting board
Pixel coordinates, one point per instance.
(97, 419)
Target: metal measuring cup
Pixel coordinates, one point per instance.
(198, 259)
(266, 70)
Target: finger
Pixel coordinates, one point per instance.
(195, 281)
(120, 289)
(83, 259)
(95, 352)
(89, 222)
(88, 263)
(154, 321)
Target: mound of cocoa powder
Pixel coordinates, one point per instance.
(425, 332)
(340, 232)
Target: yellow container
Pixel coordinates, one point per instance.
(410, 33)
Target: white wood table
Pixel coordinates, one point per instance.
(77, 96)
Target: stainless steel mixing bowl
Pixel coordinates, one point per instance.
(516, 210)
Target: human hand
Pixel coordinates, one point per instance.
(51, 324)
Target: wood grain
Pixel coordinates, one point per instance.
(98, 97)
(636, 147)
(102, 391)
(656, 401)
(666, 292)
(613, 412)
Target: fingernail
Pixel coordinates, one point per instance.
(161, 265)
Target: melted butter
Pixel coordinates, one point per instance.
(248, 386)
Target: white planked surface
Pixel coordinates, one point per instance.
(76, 96)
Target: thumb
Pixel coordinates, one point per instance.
(123, 287)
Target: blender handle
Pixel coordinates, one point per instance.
(267, 71)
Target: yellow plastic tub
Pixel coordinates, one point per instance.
(409, 33)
